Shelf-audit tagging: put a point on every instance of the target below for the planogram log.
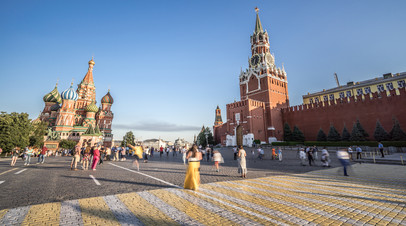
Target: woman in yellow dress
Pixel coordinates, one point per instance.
(192, 179)
(137, 155)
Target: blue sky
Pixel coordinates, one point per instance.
(170, 63)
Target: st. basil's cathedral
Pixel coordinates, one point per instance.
(74, 115)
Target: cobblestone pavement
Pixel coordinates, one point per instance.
(372, 195)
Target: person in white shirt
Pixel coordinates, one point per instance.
(350, 152)
(344, 158)
(325, 157)
(184, 150)
(302, 156)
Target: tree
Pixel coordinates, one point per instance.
(361, 130)
(297, 135)
(67, 144)
(37, 134)
(345, 134)
(397, 134)
(201, 138)
(333, 134)
(128, 138)
(321, 136)
(356, 135)
(14, 130)
(287, 133)
(380, 133)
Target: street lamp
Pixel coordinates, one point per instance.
(207, 137)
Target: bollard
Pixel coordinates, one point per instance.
(401, 159)
(374, 158)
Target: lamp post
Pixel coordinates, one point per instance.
(207, 137)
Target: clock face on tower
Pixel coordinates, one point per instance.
(269, 59)
(254, 60)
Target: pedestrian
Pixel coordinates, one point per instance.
(102, 154)
(1, 151)
(302, 156)
(161, 151)
(184, 150)
(167, 152)
(29, 152)
(96, 157)
(242, 164)
(235, 152)
(380, 146)
(116, 153)
(260, 153)
(14, 153)
(359, 152)
(123, 153)
(208, 152)
(192, 178)
(280, 154)
(274, 154)
(252, 154)
(42, 154)
(137, 155)
(344, 158)
(75, 158)
(108, 154)
(350, 151)
(217, 158)
(86, 158)
(325, 157)
(146, 154)
(315, 150)
(152, 152)
(309, 152)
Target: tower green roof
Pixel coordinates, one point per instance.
(258, 25)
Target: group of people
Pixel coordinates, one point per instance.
(28, 153)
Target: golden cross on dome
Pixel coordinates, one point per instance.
(71, 84)
(256, 9)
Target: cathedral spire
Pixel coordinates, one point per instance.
(258, 25)
(88, 79)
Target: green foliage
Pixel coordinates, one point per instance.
(257, 141)
(346, 136)
(128, 138)
(290, 143)
(356, 134)
(15, 130)
(37, 134)
(380, 133)
(201, 138)
(361, 130)
(333, 134)
(321, 136)
(287, 133)
(397, 134)
(67, 144)
(297, 135)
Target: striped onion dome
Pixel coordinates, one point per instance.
(92, 107)
(53, 96)
(70, 94)
(107, 99)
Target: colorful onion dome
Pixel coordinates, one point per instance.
(53, 96)
(92, 62)
(70, 94)
(92, 107)
(107, 99)
(55, 107)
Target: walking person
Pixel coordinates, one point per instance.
(137, 155)
(252, 154)
(42, 154)
(242, 164)
(315, 150)
(75, 158)
(302, 156)
(86, 158)
(273, 154)
(217, 158)
(359, 152)
(208, 152)
(350, 151)
(344, 158)
(380, 146)
(310, 155)
(123, 153)
(96, 157)
(235, 152)
(102, 154)
(325, 157)
(192, 179)
(14, 153)
(152, 152)
(260, 153)
(108, 154)
(280, 154)
(29, 152)
(146, 154)
(161, 152)
(184, 155)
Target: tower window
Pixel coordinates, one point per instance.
(367, 90)
(359, 92)
(311, 100)
(348, 93)
(389, 86)
(331, 96)
(401, 83)
(341, 94)
(380, 87)
(325, 98)
(316, 99)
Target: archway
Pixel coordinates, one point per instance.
(239, 135)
